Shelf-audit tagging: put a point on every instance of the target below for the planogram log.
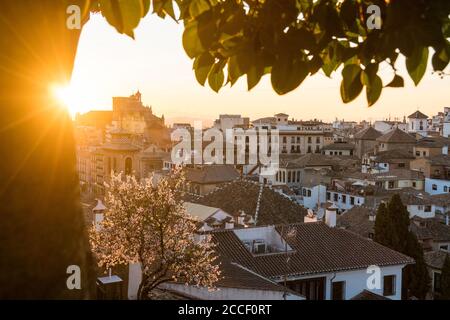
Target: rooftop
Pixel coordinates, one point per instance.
(238, 195)
(396, 136)
(368, 133)
(417, 115)
(435, 259)
(207, 174)
(316, 248)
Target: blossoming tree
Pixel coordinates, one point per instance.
(148, 224)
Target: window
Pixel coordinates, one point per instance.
(434, 186)
(388, 285)
(318, 140)
(344, 198)
(414, 184)
(309, 193)
(309, 140)
(352, 200)
(335, 197)
(128, 166)
(418, 153)
(328, 196)
(391, 185)
(443, 247)
(284, 139)
(427, 208)
(337, 290)
(309, 149)
(445, 188)
(437, 282)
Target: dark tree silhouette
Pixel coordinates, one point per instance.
(445, 279)
(392, 230)
(42, 230)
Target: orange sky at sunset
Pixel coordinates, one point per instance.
(109, 64)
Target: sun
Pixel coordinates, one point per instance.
(67, 97)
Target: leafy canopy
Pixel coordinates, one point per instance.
(294, 39)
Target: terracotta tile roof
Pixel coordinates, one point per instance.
(396, 136)
(398, 174)
(368, 295)
(417, 115)
(441, 200)
(429, 142)
(211, 174)
(243, 195)
(317, 248)
(435, 259)
(368, 133)
(236, 276)
(357, 220)
(386, 156)
(430, 228)
(440, 160)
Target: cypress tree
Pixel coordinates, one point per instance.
(392, 230)
(445, 279)
(398, 217)
(382, 226)
(416, 279)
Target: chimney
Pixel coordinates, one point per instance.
(241, 217)
(98, 211)
(330, 217)
(229, 224)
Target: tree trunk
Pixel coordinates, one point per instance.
(42, 229)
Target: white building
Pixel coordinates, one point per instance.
(446, 124)
(230, 121)
(384, 126)
(324, 262)
(418, 123)
(437, 186)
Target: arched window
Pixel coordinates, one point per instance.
(128, 166)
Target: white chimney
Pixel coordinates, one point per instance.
(98, 211)
(330, 217)
(241, 217)
(229, 224)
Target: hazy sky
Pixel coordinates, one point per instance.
(109, 64)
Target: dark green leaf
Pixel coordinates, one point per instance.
(191, 41)
(315, 64)
(202, 66)
(440, 59)
(234, 72)
(197, 7)
(416, 64)
(216, 77)
(255, 72)
(124, 15)
(373, 90)
(351, 85)
(288, 73)
(396, 82)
